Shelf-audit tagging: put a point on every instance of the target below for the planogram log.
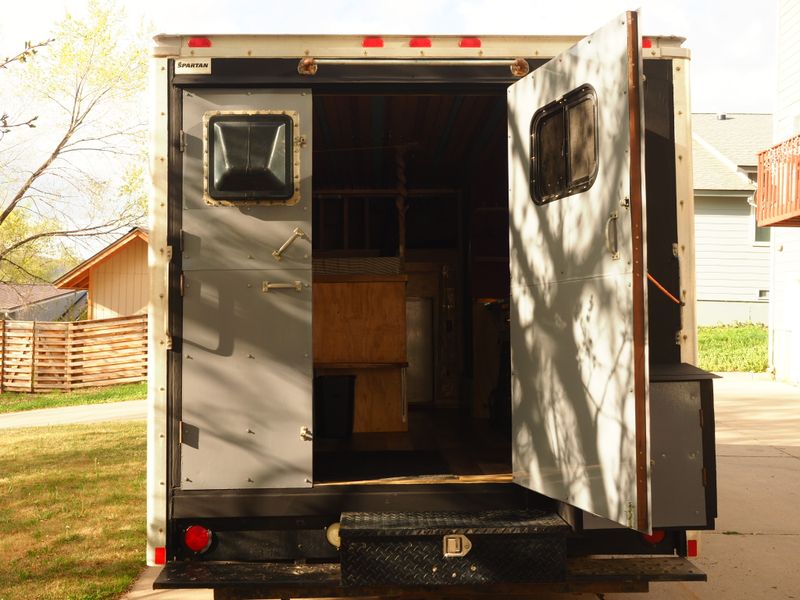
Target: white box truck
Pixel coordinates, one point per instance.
(422, 315)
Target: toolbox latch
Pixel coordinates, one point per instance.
(455, 545)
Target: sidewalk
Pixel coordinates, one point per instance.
(88, 413)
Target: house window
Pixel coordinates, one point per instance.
(761, 235)
(250, 157)
(564, 146)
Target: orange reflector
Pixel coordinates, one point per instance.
(372, 42)
(160, 555)
(470, 42)
(197, 538)
(420, 42)
(647, 43)
(199, 42)
(691, 547)
(654, 538)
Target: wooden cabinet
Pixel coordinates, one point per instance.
(360, 329)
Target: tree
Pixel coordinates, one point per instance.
(79, 176)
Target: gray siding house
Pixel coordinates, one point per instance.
(732, 253)
(784, 321)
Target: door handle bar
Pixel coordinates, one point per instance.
(297, 233)
(297, 286)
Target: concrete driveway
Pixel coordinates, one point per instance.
(754, 551)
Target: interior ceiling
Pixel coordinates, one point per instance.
(445, 138)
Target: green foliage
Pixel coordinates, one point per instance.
(738, 347)
(42, 259)
(18, 401)
(81, 175)
(72, 506)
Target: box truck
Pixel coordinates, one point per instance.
(422, 315)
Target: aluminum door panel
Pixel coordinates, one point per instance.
(246, 367)
(247, 372)
(572, 330)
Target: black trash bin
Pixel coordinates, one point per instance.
(333, 406)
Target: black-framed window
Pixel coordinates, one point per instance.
(564, 146)
(250, 157)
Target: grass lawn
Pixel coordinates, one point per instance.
(72, 511)
(741, 347)
(16, 401)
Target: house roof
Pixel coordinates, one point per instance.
(79, 276)
(726, 149)
(15, 295)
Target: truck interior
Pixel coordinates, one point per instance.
(411, 280)
(410, 212)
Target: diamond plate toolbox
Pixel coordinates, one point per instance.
(448, 548)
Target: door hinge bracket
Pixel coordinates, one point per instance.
(181, 283)
(182, 141)
(678, 336)
(675, 250)
(702, 423)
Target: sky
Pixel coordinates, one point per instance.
(732, 43)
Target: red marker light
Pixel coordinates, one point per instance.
(691, 547)
(197, 538)
(469, 42)
(420, 42)
(160, 557)
(654, 538)
(647, 43)
(372, 42)
(199, 42)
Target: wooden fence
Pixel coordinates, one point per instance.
(38, 356)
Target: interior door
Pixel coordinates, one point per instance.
(578, 312)
(246, 392)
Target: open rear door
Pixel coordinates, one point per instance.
(577, 242)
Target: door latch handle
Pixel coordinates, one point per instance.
(267, 286)
(296, 234)
(612, 241)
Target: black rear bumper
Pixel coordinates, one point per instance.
(289, 580)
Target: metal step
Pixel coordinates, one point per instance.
(450, 548)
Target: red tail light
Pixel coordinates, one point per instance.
(197, 538)
(372, 42)
(420, 42)
(160, 557)
(199, 42)
(647, 43)
(470, 42)
(691, 547)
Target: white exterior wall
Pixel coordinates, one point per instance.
(785, 305)
(731, 267)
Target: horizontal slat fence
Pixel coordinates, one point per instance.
(39, 356)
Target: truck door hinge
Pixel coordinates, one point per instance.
(181, 283)
(678, 336)
(675, 250)
(182, 141)
(702, 423)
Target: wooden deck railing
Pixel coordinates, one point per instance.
(37, 356)
(778, 195)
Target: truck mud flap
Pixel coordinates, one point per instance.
(449, 548)
(288, 580)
